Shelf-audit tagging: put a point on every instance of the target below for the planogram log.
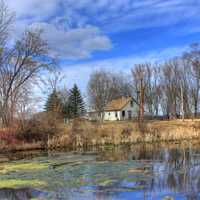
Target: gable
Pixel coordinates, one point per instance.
(118, 104)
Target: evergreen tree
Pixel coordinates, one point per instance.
(76, 106)
(54, 103)
(67, 110)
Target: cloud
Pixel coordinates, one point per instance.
(75, 43)
(67, 43)
(33, 9)
(123, 15)
(76, 29)
(117, 15)
(80, 73)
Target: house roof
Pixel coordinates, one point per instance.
(118, 104)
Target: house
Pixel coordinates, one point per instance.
(121, 109)
(93, 115)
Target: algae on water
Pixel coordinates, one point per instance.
(17, 183)
(15, 167)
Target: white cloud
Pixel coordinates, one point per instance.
(33, 9)
(122, 15)
(74, 43)
(80, 73)
(67, 43)
(111, 15)
(71, 26)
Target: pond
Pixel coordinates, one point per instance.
(136, 172)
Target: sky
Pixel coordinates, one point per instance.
(87, 35)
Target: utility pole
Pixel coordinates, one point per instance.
(182, 104)
(142, 100)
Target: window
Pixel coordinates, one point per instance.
(109, 113)
(116, 115)
(131, 103)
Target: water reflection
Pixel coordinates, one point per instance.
(147, 172)
(19, 194)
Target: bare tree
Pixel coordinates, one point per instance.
(6, 21)
(20, 65)
(146, 82)
(171, 87)
(139, 74)
(193, 58)
(51, 81)
(105, 86)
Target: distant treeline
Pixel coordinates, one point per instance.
(171, 88)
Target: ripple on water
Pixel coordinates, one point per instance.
(147, 172)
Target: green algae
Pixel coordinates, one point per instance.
(106, 182)
(17, 183)
(16, 167)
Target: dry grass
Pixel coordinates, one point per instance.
(82, 133)
(86, 133)
(22, 147)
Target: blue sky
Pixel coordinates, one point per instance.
(113, 34)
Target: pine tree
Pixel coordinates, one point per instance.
(54, 103)
(67, 110)
(76, 106)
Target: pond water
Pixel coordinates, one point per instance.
(137, 172)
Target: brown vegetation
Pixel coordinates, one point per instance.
(51, 133)
(83, 133)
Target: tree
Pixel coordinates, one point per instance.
(6, 20)
(139, 73)
(193, 58)
(105, 86)
(21, 62)
(54, 103)
(75, 105)
(20, 66)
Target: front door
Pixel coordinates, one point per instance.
(123, 114)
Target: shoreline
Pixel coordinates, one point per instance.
(19, 148)
(88, 134)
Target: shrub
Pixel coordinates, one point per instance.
(39, 128)
(126, 132)
(9, 137)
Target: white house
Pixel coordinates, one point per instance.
(121, 109)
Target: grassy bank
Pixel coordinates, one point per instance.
(86, 133)
(81, 133)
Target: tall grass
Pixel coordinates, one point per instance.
(46, 132)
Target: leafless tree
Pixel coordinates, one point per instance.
(6, 21)
(105, 86)
(171, 79)
(146, 78)
(193, 58)
(19, 65)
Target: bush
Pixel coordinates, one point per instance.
(126, 132)
(39, 128)
(9, 137)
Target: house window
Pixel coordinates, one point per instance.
(116, 115)
(109, 113)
